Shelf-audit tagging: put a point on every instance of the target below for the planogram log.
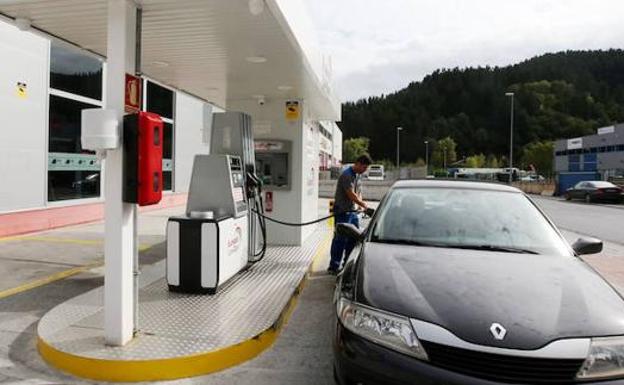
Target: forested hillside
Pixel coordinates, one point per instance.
(560, 95)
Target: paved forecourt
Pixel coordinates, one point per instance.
(183, 335)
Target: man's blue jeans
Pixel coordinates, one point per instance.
(342, 246)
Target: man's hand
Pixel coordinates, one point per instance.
(355, 198)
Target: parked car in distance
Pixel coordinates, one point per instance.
(376, 172)
(469, 283)
(532, 178)
(595, 191)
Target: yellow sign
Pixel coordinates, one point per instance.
(292, 110)
(21, 90)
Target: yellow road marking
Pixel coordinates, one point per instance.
(64, 240)
(179, 367)
(89, 242)
(46, 280)
(320, 253)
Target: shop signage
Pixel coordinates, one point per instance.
(574, 144)
(606, 130)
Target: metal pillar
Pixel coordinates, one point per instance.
(511, 140)
(398, 129)
(427, 156)
(120, 218)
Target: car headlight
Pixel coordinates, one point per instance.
(605, 359)
(390, 330)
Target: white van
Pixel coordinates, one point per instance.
(376, 172)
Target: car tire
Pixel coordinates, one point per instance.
(568, 197)
(588, 198)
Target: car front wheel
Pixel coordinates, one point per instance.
(568, 197)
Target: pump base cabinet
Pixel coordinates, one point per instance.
(202, 254)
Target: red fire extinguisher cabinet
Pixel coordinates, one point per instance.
(143, 152)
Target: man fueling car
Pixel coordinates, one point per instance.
(348, 195)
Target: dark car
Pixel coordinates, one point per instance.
(595, 191)
(470, 283)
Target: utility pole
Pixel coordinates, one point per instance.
(427, 156)
(398, 130)
(511, 123)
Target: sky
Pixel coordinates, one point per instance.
(380, 46)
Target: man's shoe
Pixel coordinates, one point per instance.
(331, 271)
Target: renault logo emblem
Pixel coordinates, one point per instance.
(498, 331)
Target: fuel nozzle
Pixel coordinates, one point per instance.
(254, 184)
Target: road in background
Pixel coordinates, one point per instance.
(600, 221)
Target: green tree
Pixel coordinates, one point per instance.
(354, 147)
(476, 161)
(557, 96)
(492, 162)
(540, 156)
(444, 152)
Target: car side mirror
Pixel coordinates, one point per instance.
(584, 246)
(350, 231)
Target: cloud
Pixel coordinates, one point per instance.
(381, 46)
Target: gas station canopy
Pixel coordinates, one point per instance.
(218, 50)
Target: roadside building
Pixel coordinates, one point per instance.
(593, 157)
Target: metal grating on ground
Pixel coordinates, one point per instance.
(175, 325)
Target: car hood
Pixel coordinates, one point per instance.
(536, 298)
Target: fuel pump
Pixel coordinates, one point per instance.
(209, 244)
(232, 134)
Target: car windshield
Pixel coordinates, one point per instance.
(466, 218)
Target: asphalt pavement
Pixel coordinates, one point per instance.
(605, 222)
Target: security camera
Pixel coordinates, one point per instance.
(261, 101)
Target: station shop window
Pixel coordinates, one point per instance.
(75, 72)
(161, 100)
(65, 124)
(75, 84)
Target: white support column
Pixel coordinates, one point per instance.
(120, 217)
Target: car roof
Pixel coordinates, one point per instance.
(454, 184)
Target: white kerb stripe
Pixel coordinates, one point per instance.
(209, 255)
(173, 253)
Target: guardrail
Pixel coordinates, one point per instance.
(540, 188)
(371, 189)
(375, 190)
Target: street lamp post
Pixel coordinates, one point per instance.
(427, 156)
(511, 123)
(398, 129)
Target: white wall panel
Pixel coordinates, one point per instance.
(192, 131)
(23, 119)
